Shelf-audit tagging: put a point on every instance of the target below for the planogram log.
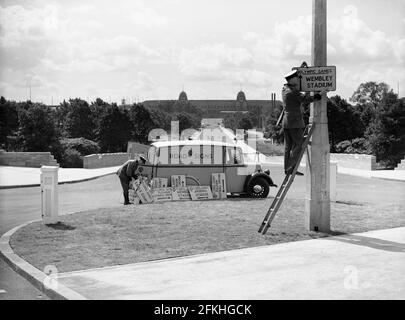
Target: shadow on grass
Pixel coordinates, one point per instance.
(351, 203)
(60, 226)
(244, 197)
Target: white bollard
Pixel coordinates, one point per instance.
(49, 194)
(333, 178)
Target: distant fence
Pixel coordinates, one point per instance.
(102, 160)
(354, 161)
(27, 159)
(135, 148)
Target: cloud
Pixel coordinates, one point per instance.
(208, 62)
(43, 37)
(360, 52)
(21, 26)
(354, 41)
(99, 55)
(142, 82)
(148, 17)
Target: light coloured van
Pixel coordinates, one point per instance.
(198, 159)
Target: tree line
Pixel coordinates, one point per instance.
(374, 123)
(76, 128)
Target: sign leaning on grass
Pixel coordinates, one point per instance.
(180, 193)
(159, 183)
(200, 192)
(143, 191)
(317, 78)
(162, 194)
(218, 185)
(132, 196)
(178, 180)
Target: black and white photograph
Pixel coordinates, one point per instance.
(202, 158)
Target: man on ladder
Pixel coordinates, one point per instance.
(295, 137)
(293, 122)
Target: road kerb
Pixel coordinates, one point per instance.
(32, 274)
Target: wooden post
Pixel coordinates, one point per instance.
(317, 200)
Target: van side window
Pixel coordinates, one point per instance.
(151, 155)
(233, 155)
(163, 155)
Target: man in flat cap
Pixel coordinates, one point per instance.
(126, 172)
(293, 122)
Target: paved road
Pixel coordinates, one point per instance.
(24, 204)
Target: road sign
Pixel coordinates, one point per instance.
(200, 192)
(178, 180)
(162, 194)
(218, 185)
(317, 78)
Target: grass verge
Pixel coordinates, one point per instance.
(130, 234)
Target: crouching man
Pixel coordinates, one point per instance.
(126, 172)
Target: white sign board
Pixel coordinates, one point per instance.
(132, 196)
(159, 183)
(180, 193)
(143, 191)
(162, 194)
(178, 180)
(317, 78)
(200, 192)
(218, 185)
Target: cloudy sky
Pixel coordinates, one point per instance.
(153, 49)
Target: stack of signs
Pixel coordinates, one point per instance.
(180, 193)
(133, 198)
(218, 185)
(159, 183)
(162, 194)
(200, 192)
(178, 181)
(143, 191)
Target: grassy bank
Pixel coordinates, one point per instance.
(129, 234)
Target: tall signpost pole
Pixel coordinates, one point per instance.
(317, 200)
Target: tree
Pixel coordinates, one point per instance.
(36, 128)
(114, 130)
(343, 122)
(98, 108)
(79, 121)
(367, 97)
(370, 93)
(187, 121)
(160, 119)
(8, 120)
(385, 134)
(245, 123)
(142, 123)
(272, 131)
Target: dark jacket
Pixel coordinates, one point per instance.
(292, 100)
(128, 169)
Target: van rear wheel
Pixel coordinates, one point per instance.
(258, 188)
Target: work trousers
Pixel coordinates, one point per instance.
(293, 139)
(125, 188)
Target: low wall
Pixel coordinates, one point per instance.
(102, 160)
(27, 159)
(135, 148)
(354, 161)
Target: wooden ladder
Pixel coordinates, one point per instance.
(285, 186)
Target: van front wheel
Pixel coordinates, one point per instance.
(258, 188)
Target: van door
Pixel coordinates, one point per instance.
(234, 173)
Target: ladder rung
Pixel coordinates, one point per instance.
(285, 186)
